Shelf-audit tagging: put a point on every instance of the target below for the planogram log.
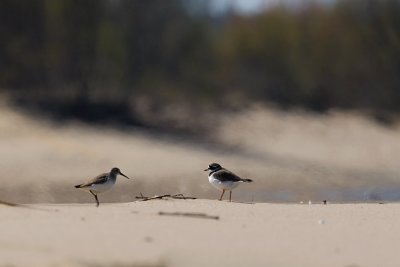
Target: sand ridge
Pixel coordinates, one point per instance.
(291, 156)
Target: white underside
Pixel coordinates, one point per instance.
(227, 185)
(100, 188)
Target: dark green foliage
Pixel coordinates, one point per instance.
(345, 56)
(71, 56)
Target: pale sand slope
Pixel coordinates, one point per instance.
(133, 234)
(291, 156)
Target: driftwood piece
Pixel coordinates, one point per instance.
(151, 198)
(181, 196)
(189, 214)
(10, 204)
(177, 196)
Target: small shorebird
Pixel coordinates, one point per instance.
(223, 179)
(101, 183)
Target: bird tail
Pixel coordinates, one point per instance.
(78, 186)
(247, 180)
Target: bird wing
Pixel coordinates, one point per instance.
(96, 180)
(224, 175)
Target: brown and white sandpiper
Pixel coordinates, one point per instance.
(101, 183)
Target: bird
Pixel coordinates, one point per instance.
(223, 179)
(101, 183)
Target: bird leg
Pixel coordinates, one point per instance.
(230, 196)
(97, 200)
(95, 197)
(223, 192)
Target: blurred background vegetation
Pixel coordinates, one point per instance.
(160, 64)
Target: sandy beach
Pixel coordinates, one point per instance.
(336, 157)
(242, 234)
(292, 157)
(290, 108)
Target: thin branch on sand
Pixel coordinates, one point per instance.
(189, 214)
(10, 204)
(177, 196)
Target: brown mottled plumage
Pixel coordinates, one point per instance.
(101, 183)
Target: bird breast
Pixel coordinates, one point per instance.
(226, 185)
(99, 188)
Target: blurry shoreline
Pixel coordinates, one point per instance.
(292, 156)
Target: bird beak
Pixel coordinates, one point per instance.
(124, 175)
(206, 169)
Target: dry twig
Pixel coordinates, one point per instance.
(10, 204)
(177, 196)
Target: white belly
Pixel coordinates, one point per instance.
(99, 188)
(227, 185)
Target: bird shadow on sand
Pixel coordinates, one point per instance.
(242, 202)
(138, 264)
